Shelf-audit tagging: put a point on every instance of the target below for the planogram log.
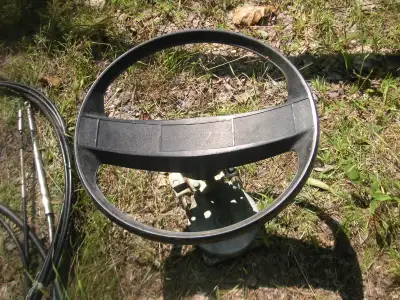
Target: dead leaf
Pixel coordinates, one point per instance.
(318, 183)
(324, 169)
(333, 95)
(267, 34)
(50, 81)
(8, 276)
(161, 180)
(96, 3)
(251, 15)
(199, 297)
(144, 116)
(244, 97)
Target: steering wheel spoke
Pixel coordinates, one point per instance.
(196, 145)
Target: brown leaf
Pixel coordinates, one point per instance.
(333, 95)
(244, 97)
(144, 116)
(251, 15)
(324, 169)
(50, 80)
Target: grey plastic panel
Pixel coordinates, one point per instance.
(265, 126)
(302, 114)
(128, 137)
(192, 137)
(88, 131)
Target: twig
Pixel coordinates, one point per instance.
(228, 62)
(219, 282)
(305, 277)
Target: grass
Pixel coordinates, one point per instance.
(326, 245)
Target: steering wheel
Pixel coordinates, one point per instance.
(198, 146)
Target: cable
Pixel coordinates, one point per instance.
(23, 198)
(53, 257)
(20, 252)
(6, 211)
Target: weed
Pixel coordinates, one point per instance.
(320, 85)
(390, 90)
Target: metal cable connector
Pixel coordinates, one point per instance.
(40, 173)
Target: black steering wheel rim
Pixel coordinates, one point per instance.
(88, 159)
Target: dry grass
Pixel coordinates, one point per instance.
(329, 244)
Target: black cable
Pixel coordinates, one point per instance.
(12, 216)
(20, 252)
(53, 257)
(6, 211)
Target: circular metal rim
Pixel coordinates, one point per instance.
(268, 213)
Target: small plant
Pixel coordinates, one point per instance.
(353, 173)
(346, 58)
(362, 79)
(264, 201)
(380, 207)
(319, 83)
(379, 196)
(388, 84)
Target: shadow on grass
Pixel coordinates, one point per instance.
(285, 262)
(334, 67)
(20, 19)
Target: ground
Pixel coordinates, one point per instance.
(340, 237)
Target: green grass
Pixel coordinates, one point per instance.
(358, 157)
